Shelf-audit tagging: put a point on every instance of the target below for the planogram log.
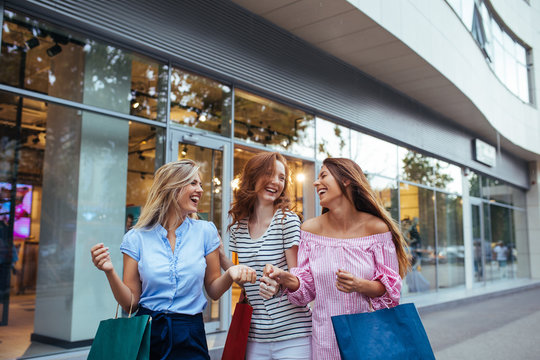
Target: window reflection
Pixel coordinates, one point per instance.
(200, 102)
(425, 170)
(387, 193)
(145, 156)
(332, 140)
(450, 248)
(46, 59)
(418, 227)
(374, 155)
(262, 121)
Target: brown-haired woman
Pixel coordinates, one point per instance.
(265, 231)
(351, 258)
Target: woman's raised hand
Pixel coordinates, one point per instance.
(347, 282)
(101, 257)
(242, 274)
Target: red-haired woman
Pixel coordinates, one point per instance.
(351, 258)
(265, 231)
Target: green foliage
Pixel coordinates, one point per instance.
(424, 170)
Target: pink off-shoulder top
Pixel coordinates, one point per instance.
(319, 258)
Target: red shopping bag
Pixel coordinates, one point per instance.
(237, 337)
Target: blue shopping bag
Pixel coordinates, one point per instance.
(394, 333)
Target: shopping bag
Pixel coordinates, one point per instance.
(237, 337)
(394, 333)
(122, 339)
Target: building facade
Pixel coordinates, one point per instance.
(435, 100)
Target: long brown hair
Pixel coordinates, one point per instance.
(364, 199)
(169, 181)
(261, 165)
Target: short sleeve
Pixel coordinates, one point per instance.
(211, 239)
(130, 245)
(291, 230)
(387, 272)
(232, 238)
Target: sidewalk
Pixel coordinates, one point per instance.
(425, 303)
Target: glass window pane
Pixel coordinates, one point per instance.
(387, 192)
(520, 252)
(375, 156)
(498, 60)
(523, 83)
(332, 140)
(63, 64)
(450, 248)
(502, 231)
(474, 184)
(200, 102)
(277, 126)
(426, 170)
(510, 72)
(418, 227)
(467, 9)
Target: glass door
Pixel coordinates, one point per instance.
(213, 156)
(482, 252)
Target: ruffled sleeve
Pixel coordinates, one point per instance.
(306, 292)
(387, 272)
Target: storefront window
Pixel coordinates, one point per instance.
(387, 192)
(425, 170)
(375, 156)
(277, 126)
(200, 102)
(450, 248)
(332, 140)
(418, 227)
(72, 185)
(42, 58)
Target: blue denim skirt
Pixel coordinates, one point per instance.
(176, 336)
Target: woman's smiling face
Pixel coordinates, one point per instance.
(270, 186)
(327, 187)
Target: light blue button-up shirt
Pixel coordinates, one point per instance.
(172, 282)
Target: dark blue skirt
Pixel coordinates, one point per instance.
(176, 336)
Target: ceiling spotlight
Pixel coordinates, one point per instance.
(32, 43)
(136, 104)
(35, 140)
(54, 50)
(141, 156)
(184, 151)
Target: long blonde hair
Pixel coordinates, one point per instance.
(169, 182)
(364, 199)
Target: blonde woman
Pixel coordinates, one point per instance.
(168, 257)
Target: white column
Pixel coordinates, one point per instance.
(84, 194)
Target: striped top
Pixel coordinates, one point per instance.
(274, 319)
(319, 258)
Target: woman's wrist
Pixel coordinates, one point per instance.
(292, 283)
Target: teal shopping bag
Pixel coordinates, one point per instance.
(394, 333)
(122, 339)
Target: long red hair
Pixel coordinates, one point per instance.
(364, 199)
(261, 165)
